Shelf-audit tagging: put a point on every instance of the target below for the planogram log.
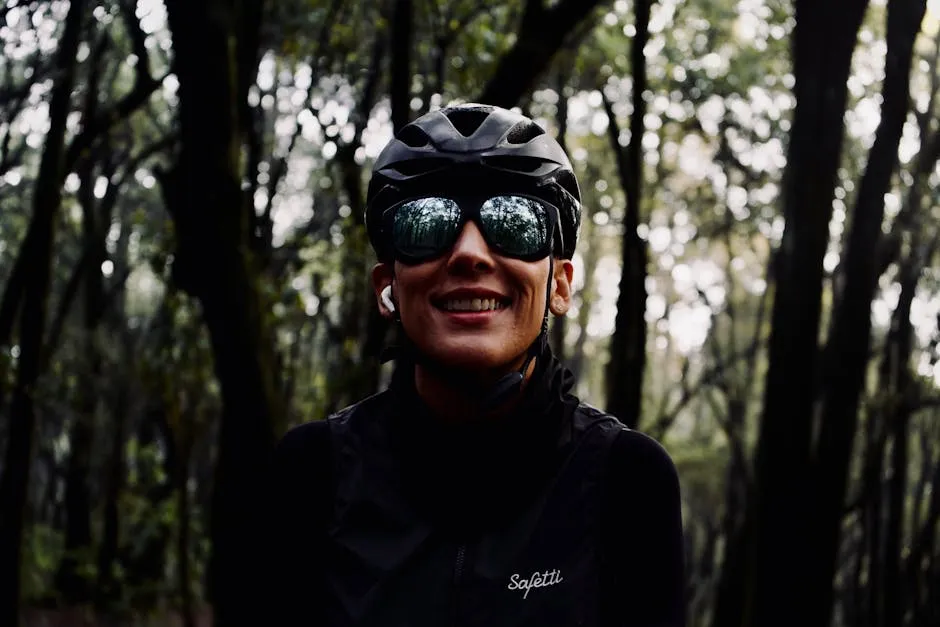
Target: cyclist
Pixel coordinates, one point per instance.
(477, 489)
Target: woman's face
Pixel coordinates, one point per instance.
(472, 308)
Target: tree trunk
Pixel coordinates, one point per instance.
(867, 598)
(46, 201)
(846, 357)
(628, 343)
(541, 34)
(216, 47)
(363, 325)
(119, 394)
(74, 586)
(922, 550)
(591, 256)
(770, 561)
(183, 565)
(106, 588)
(401, 43)
(145, 566)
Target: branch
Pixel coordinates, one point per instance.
(613, 135)
(924, 117)
(289, 252)
(17, 99)
(541, 34)
(144, 86)
(42, 67)
(278, 169)
(84, 262)
(710, 377)
(532, 14)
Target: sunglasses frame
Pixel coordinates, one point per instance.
(470, 207)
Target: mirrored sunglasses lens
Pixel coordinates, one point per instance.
(515, 224)
(426, 226)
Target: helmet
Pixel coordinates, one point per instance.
(473, 146)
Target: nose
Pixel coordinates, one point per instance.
(470, 252)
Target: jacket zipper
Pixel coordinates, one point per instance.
(458, 574)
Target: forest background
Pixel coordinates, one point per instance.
(184, 276)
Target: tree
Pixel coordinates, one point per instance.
(216, 50)
(46, 200)
(766, 566)
(628, 344)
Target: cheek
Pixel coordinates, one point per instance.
(411, 288)
(532, 285)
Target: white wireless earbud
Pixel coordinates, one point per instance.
(386, 297)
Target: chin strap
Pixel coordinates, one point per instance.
(510, 384)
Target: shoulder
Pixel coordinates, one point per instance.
(641, 489)
(632, 453)
(304, 438)
(314, 437)
(644, 580)
(635, 454)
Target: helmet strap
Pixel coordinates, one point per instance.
(511, 383)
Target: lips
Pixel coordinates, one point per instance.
(472, 304)
(471, 301)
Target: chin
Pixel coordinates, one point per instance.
(474, 358)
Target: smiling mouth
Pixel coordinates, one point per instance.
(473, 304)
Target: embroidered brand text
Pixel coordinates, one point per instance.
(535, 580)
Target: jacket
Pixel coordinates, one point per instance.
(382, 515)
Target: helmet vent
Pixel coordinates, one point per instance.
(420, 166)
(524, 132)
(467, 121)
(515, 164)
(568, 182)
(413, 136)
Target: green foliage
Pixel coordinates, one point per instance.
(43, 548)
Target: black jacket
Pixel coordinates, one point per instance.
(382, 515)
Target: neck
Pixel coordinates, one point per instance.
(454, 402)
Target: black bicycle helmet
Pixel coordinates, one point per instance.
(474, 145)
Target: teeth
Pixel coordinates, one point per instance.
(473, 304)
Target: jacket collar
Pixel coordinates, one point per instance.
(467, 476)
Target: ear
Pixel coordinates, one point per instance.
(383, 275)
(560, 299)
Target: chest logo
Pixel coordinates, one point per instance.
(537, 579)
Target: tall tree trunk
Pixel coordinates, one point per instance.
(46, 201)
(867, 600)
(591, 257)
(541, 34)
(363, 325)
(846, 357)
(145, 566)
(183, 562)
(216, 47)
(401, 43)
(106, 588)
(628, 343)
(119, 393)
(72, 583)
(769, 558)
(922, 556)
(896, 382)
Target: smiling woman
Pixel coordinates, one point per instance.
(477, 489)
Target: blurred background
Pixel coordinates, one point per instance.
(184, 275)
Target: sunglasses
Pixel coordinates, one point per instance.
(517, 226)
